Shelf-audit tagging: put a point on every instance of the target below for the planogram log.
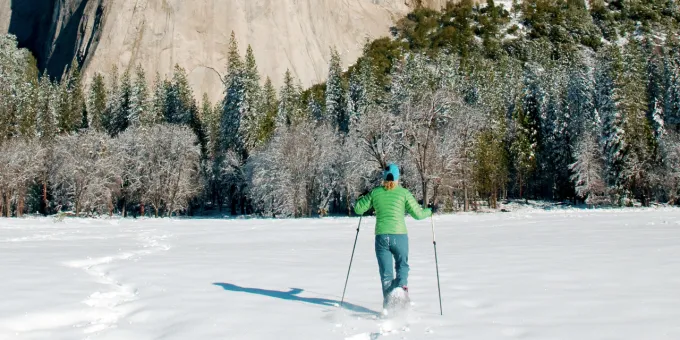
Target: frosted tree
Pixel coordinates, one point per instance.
(96, 103)
(378, 137)
(335, 94)
(424, 112)
(139, 98)
(171, 162)
(85, 171)
(292, 177)
(587, 170)
(357, 170)
(19, 169)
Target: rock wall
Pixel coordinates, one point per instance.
(284, 34)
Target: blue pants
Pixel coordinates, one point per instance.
(388, 247)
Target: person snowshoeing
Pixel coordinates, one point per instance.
(390, 202)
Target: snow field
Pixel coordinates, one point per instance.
(531, 274)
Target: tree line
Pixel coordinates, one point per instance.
(476, 104)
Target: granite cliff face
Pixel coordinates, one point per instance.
(284, 34)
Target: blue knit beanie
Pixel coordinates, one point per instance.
(391, 173)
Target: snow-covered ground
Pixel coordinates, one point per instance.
(563, 274)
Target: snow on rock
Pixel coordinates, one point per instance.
(532, 273)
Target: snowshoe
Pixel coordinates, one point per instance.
(397, 301)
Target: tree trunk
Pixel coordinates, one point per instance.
(2, 203)
(20, 203)
(465, 197)
(44, 197)
(141, 209)
(8, 205)
(424, 183)
(435, 196)
(155, 208)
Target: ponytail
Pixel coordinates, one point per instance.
(389, 185)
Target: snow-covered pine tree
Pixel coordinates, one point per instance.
(235, 103)
(139, 98)
(490, 169)
(269, 107)
(655, 92)
(528, 120)
(363, 89)
(211, 121)
(121, 117)
(579, 96)
(533, 105)
(253, 113)
(356, 98)
(335, 95)
(558, 138)
(113, 103)
(27, 97)
(97, 103)
(77, 97)
(633, 104)
(671, 79)
(178, 98)
(47, 128)
(12, 68)
(289, 111)
(609, 64)
(66, 120)
(315, 110)
(522, 150)
(157, 105)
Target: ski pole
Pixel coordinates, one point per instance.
(350, 262)
(436, 261)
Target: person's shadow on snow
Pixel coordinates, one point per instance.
(293, 295)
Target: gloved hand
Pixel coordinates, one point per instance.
(364, 193)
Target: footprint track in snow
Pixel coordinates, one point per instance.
(107, 305)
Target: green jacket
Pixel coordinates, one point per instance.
(390, 207)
